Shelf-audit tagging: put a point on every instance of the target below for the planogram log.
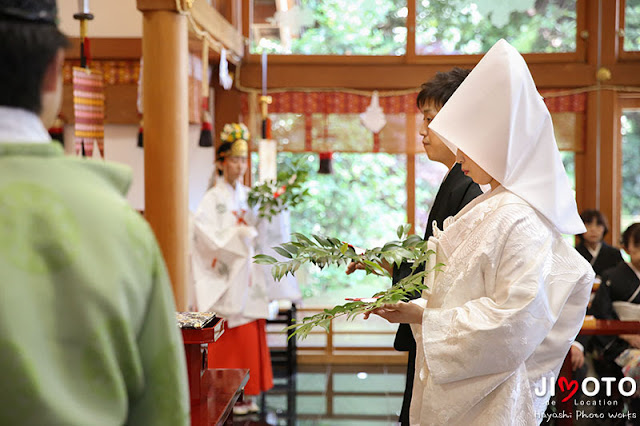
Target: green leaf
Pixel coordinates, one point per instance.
(290, 247)
(282, 252)
(323, 241)
(302, 238)
(374, 266)
(263, 259)
(344, 247)
(326, 323)
(400, 231)
(334, 242)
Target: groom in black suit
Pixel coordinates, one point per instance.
(455, 192)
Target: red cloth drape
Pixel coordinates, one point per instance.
(310, 103)
(351, 103)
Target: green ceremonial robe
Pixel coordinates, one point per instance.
(88, 334)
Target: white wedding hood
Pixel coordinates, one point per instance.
(498, 119)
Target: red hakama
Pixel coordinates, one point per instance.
(245, 347)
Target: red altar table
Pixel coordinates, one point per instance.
(213, 391)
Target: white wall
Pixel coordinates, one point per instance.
(112, 18)
(120, 18)
(121, 147)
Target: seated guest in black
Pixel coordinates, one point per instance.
(620, 289)
(601, 255)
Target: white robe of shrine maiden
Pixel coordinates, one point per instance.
(222, 256)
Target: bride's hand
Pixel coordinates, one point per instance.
(401, 312)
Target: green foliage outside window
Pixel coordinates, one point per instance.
(630, 168)
(361, 203)
(458, 27)
(347, 27)
(632, 25)
(378, 27)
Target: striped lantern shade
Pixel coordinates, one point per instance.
(88, 109)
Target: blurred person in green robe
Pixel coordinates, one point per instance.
(87, 320)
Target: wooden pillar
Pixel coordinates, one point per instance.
(610, 167)
(411, 170)
(165, 79)
(600, 164)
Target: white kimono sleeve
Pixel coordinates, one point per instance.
(498, 332)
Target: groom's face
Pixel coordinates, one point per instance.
(434, 147)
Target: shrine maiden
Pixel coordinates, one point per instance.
(224, 273)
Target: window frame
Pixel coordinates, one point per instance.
(410, 57)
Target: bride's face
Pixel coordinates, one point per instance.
(475, 172)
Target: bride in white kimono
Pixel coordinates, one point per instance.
(503, 312)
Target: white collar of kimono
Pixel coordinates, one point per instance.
(498, 118)
(21, 126)
(224, 184)
(594, 252)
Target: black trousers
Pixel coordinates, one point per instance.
(408, 390)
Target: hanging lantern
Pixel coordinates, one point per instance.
(141, 134)
(325, 163)
(140, 106)
(206, 139)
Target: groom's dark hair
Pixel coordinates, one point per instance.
(440, 88)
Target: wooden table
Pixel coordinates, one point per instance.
(196, 342)
(213, 391)
(609, 327)
(221, 388)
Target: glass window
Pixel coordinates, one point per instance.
(630, 126)
(446, 27)
(340, 132)
(288, 130)
(362, 202)
(632, 25)
(569, 162)
(330, 27)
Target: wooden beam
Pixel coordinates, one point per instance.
(148, 5)
(610, 163)
(610, 42)
(625, 74)
(107, 48)
(220, 29)
(395, 76)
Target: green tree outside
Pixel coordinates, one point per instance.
(630, 122)
(378, 27)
